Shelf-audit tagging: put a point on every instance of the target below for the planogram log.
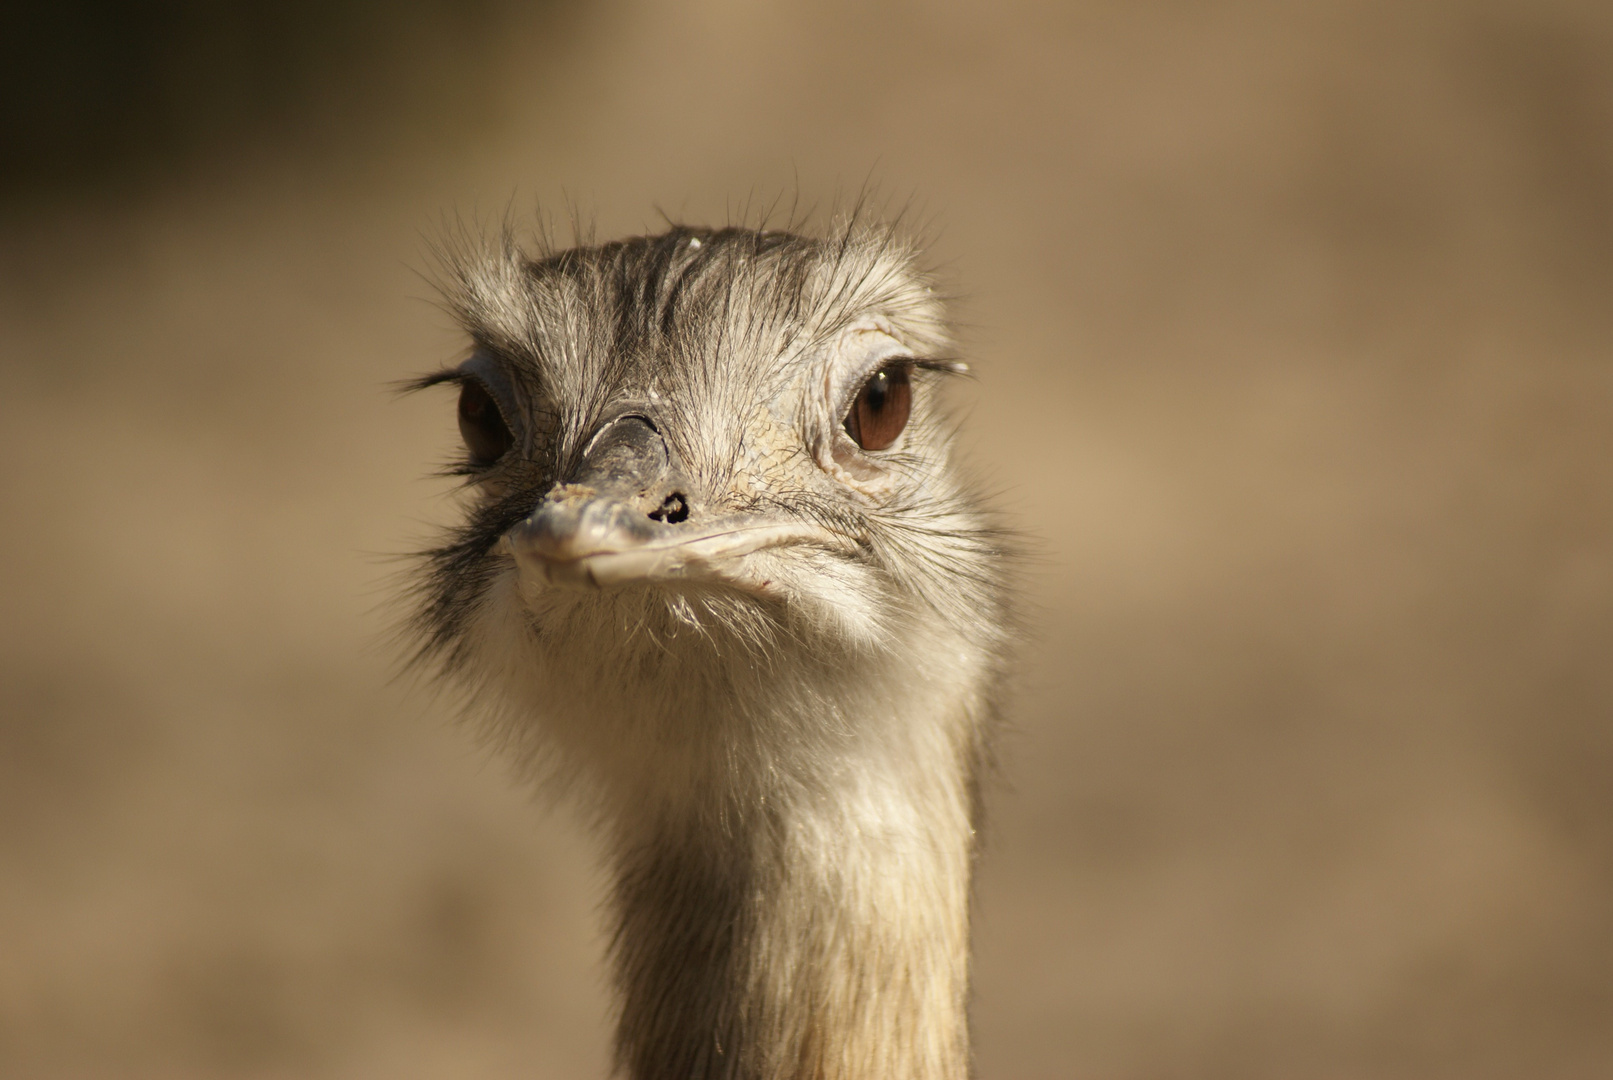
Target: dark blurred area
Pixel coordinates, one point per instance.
(114, 92)
(1294, 333)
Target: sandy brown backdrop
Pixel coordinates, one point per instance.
(1294, 325)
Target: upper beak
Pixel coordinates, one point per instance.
(622, 515)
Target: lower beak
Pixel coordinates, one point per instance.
(605, 552)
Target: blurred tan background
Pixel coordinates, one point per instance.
(1294, 327)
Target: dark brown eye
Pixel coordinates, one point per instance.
(486, 435)
(879, 414)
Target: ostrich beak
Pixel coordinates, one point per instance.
(623, 517)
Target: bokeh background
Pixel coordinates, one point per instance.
(1294, 332)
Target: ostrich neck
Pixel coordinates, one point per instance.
(817, 928)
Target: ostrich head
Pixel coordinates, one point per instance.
(718, 577)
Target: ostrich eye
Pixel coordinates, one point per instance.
(880, 412)
(486, 435)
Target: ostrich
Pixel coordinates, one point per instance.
(719, 580)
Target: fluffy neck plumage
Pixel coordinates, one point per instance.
(791, 832)
(823, 933)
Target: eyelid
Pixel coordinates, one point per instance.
(491, 375)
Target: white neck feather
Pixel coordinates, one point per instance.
(792, 838)
(823, 933)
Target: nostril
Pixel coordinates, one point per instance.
(673, 509)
